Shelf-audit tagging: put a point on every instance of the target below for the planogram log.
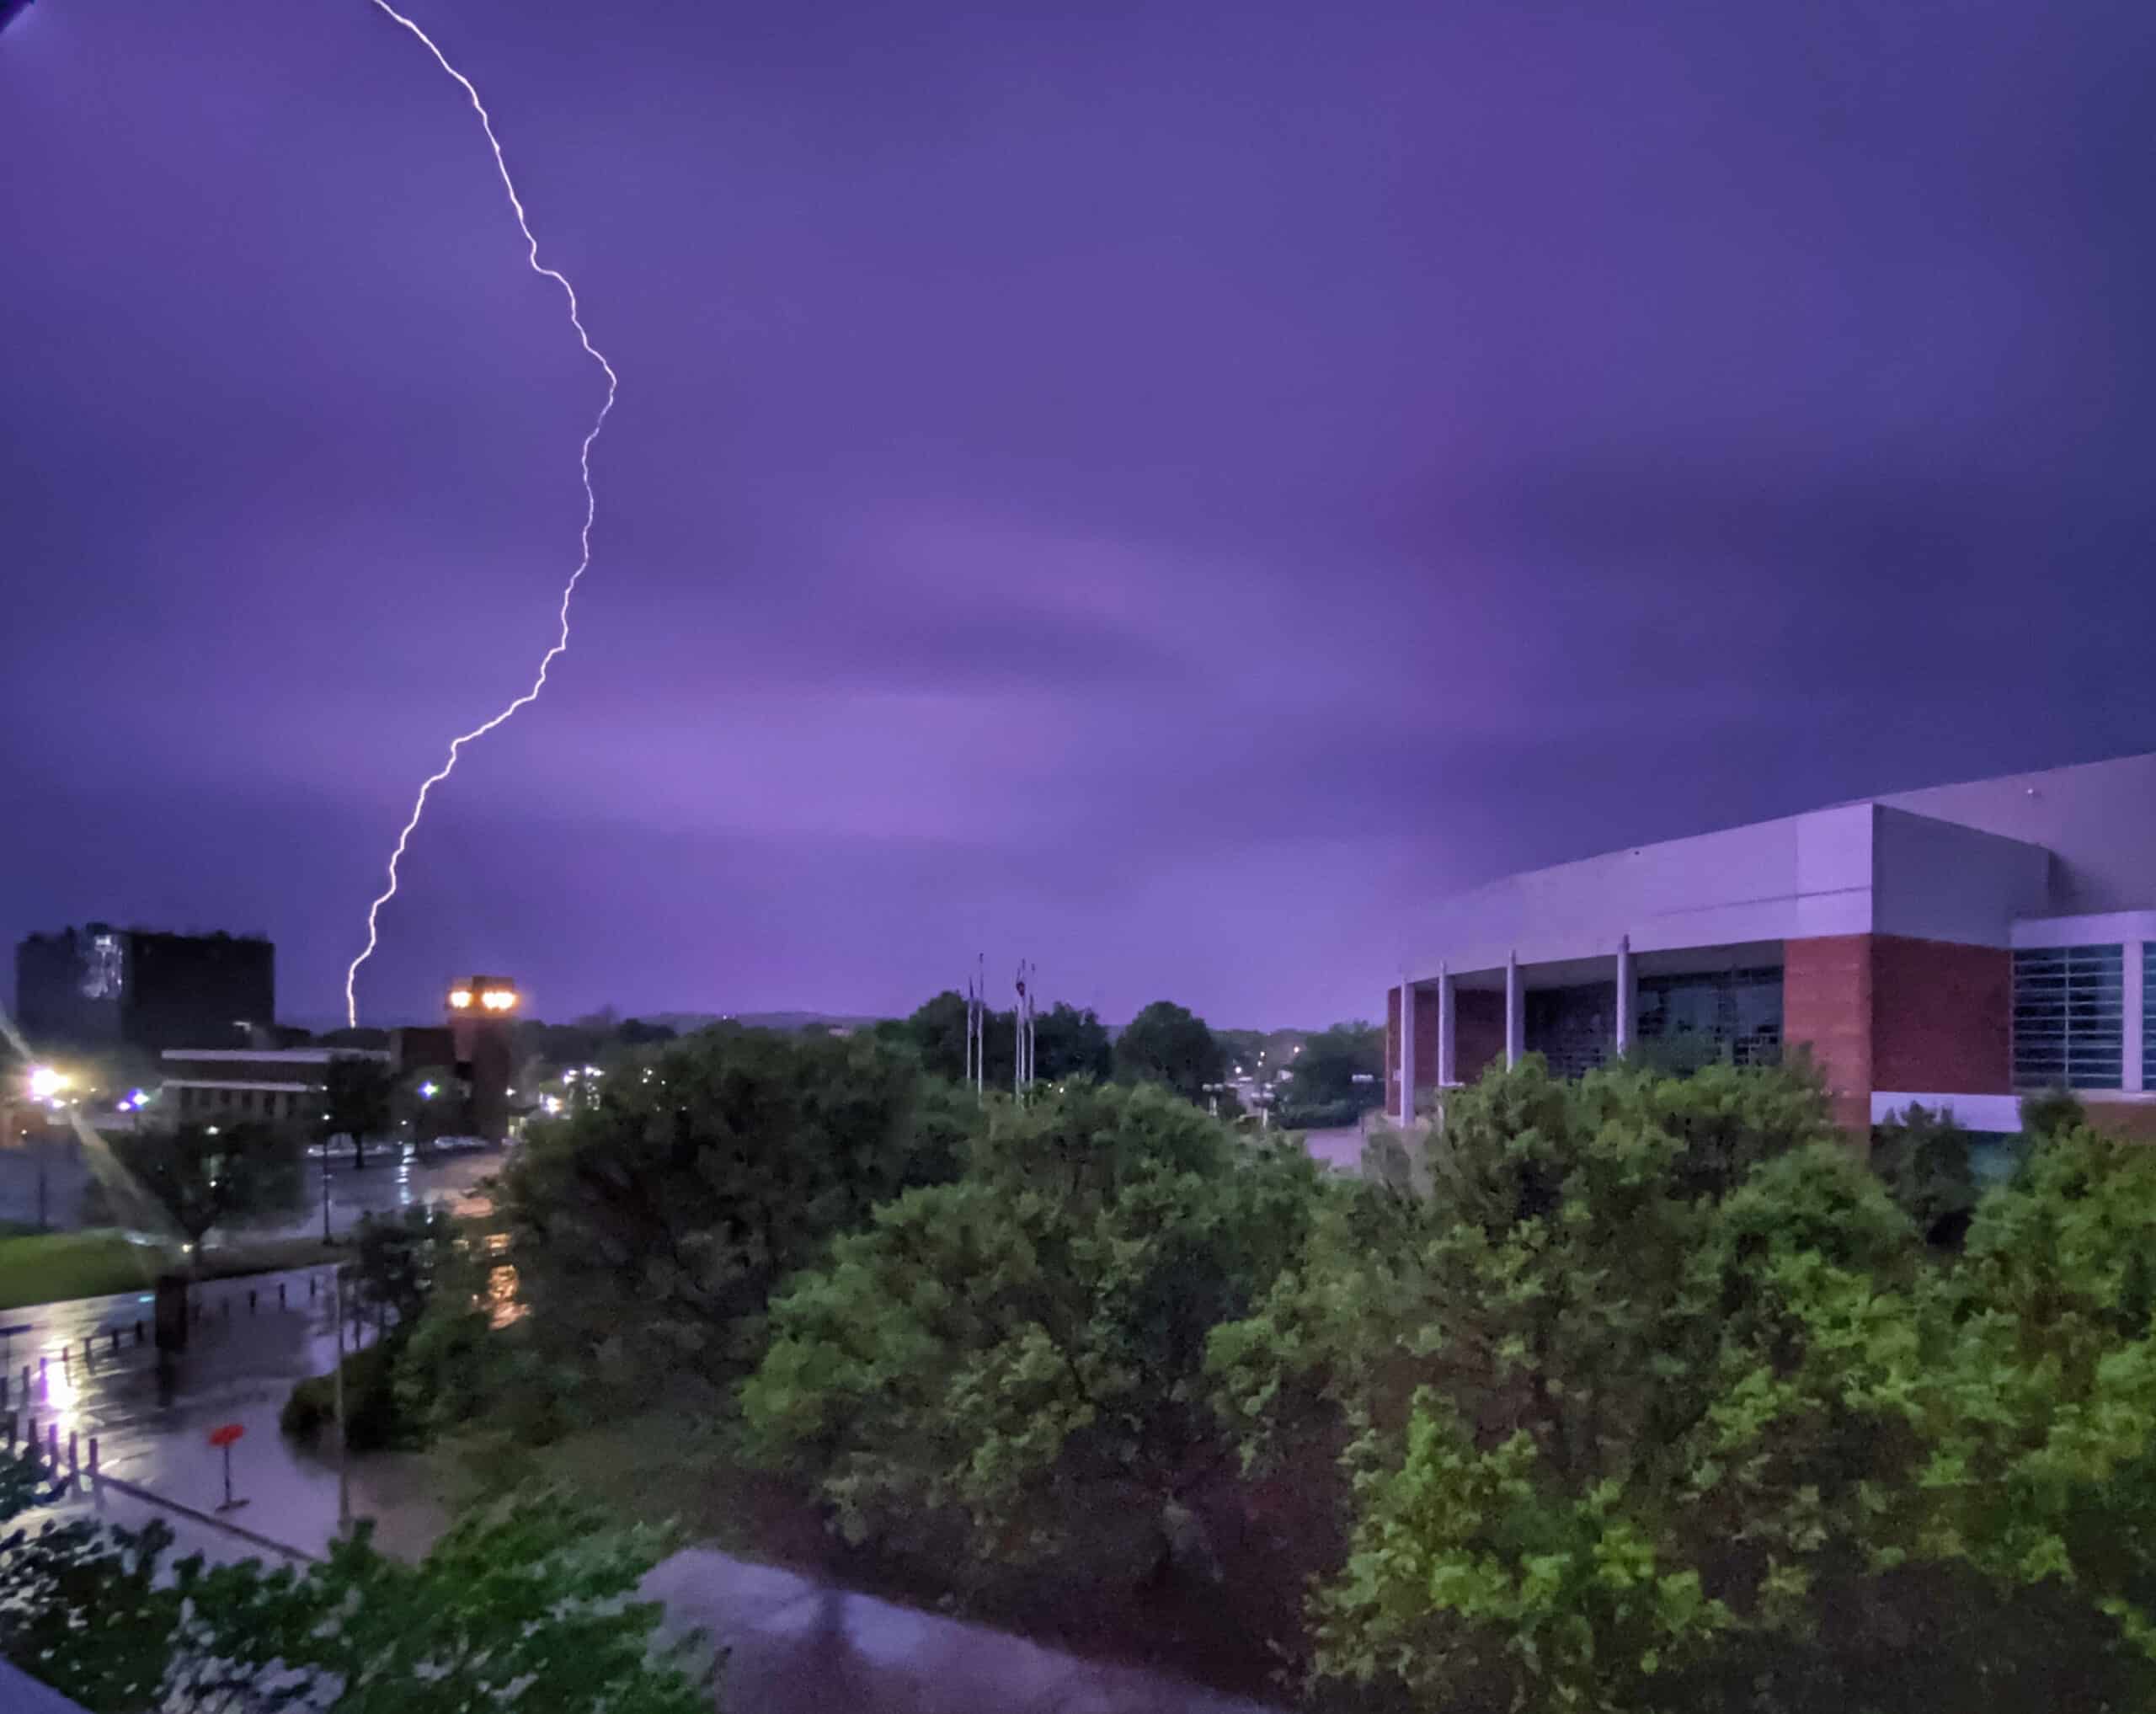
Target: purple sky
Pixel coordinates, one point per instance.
(1161, 488)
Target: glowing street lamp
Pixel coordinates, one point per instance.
(46, 1083)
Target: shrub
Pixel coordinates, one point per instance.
(373, 1421)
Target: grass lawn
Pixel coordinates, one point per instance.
(53, 1267)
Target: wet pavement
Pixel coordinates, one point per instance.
(251, 1340)
(388, 1186)
(1340, 1149)
(796, 1645)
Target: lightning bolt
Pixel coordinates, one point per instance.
(591, 509)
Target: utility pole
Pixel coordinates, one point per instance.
(1022, 1017)
(337, 1388)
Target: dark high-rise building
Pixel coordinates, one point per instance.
(98, 986)
(479, 1016)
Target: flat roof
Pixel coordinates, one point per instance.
(274, 1056)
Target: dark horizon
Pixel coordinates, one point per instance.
(1160, 494)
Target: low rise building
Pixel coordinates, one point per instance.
(280, 1085)
(1956, 947)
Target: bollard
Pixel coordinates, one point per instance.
(74, 1458)
(250, 1300)
(31, 1438)
(4, 1381)
(52, 1449)
(280, 1293)
(116, 1339)
(93, 1458)
(11, 1431)
(26, 1383)
(310, 1283)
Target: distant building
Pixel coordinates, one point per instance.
(278, 1085)
(1955, 946)
(480, 1014)
(99, 987)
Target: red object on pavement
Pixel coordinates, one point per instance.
(225, 1435)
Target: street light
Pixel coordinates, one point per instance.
(45, 1082)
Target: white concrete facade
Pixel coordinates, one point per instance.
(2060, 858)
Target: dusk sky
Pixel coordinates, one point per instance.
(1163, 489)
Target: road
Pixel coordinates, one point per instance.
(387, 1186)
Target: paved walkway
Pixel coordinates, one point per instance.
(796, 1647)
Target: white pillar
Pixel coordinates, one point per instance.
(2134, 993)
(1447, 1030)
(1627, 994)
(1515, 1012)
(1406, 1051)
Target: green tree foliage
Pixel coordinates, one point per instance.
(649, 1227)
(1323, 1075)
(1164, 1044)
(2039, 1391)
(936, 1031)
(1070, 1043)
(1025, 1348)
(1655, 1404)
(395, 1260)
(528, 1604)
(358, 1101)
(199, 1177)
(1923, 1158)
(1067, 1042)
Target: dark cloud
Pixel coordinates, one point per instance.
(1166, 488)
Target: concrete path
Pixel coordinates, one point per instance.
(796, 1647)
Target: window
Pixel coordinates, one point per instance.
(1688, 1021)
(1574, 1028)
(2069, 1014)
(2148, 1015)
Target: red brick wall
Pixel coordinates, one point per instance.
(1426, 1037)
(1941, 1015)
(2134, 1121)
(1392, 1050)
(1827, 1007)
(1478, 1031)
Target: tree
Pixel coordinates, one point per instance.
(1536, 1382)
(1071, 1043)
(1923, 1158)
(936, 1030)
(203, 1176)
(1323, 1073)
(395, 1259)
(1656, 1404)
(529, 1604)
(357, 1099)
(1025, 1348)
(1164, 1044)
(651, 1225)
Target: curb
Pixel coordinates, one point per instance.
(208, 1517)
